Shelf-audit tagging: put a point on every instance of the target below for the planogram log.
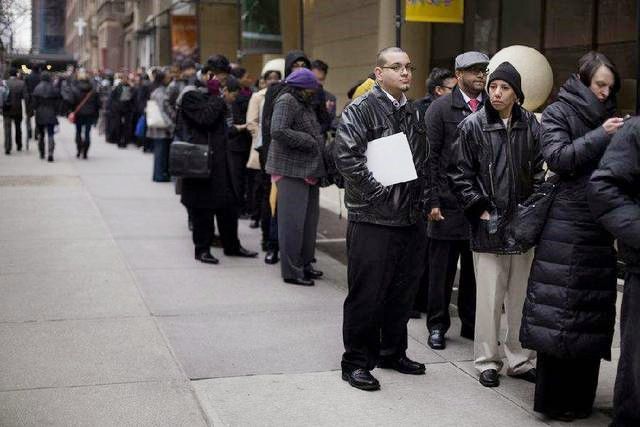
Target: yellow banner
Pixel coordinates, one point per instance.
(446, 11)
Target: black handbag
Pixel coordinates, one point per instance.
(531, 215)
(187, 160)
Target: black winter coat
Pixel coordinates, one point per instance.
(370, 117)
(570, 310)
(201, 120)
(614, 192)
(442, 120)
(91, 108)
(497, 168)
(240, 141)
(47, 100)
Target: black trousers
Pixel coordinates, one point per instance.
(422, 295)
(443, 264)
(626, 397)
(565, 385)
(203, 228)
(8, 122)
(382, 287)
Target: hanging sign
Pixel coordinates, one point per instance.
(443, 11)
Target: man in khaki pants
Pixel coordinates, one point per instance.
(499, 165)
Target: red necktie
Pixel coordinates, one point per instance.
(473, 103)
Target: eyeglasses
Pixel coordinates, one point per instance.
(478, 70)
(399, 68)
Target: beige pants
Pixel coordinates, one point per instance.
(501, 279)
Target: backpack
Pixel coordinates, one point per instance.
(5, 95)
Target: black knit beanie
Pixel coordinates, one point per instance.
(509, 74)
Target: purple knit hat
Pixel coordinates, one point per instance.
(302, 78)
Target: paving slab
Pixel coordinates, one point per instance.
(151, 218)
(169, 253)
(68, 295)
(232, 289)
(522, 393)
(125, 187)
(443, 397)
(131, 404)
(83, 352)
(249, 343)
(25, 256)
(33, 218)
(457, 348)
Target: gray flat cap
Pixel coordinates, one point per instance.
(467, 59)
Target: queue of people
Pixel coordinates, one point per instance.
(486, 159)
(479, 156)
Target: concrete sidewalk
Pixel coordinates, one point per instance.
(106, 319)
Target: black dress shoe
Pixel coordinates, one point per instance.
(361, 379)
(207, 258)
(310, 273)
(436, 340)
(529, 376)
(489, 378)
(300, 282)
(271, 257)
(404, 365)
(242, 253)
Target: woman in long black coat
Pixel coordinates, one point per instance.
(202, 120)
(569, 313)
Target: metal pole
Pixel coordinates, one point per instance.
(637, 56)
(301, 24)
(239, 54)
(398, 23)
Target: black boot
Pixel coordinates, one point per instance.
(78, 147)
(271, 257)
(85, 150)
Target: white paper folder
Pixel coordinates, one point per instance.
(390, 159)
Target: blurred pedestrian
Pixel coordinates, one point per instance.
(121, 106)
(271, 74)
(614, 200)
(570, 311)
(240, 138)
(31, 81)
(12, 110)
(383, 235)
(87, 109)
(47, 99)
(160, 125)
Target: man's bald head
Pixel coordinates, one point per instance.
(381, 60)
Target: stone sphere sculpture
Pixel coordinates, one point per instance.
(534, 69)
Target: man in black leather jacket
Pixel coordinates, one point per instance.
(614, 199)
(499, 165)
(383, 235)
